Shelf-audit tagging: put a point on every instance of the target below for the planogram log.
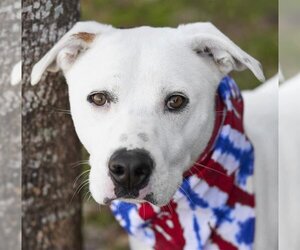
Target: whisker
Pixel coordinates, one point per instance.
(63, 111)
(84, 183)
(187, 195)
(79, 163)
(190, 171)
(87, 193)
(78, 190)
(90, 196)
(81, 175)
(203, 166)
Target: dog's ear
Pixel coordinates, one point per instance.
(206, 40)
(67, 49)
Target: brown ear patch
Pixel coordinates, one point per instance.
(84, 36)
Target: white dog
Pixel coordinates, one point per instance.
(289, 166)
(147, 95)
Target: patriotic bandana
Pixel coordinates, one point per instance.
(214, 207)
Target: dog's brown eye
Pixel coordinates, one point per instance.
(98, 99)
(176, 102)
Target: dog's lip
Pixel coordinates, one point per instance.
(108, 201)
(126, 198)
(150, 198)
(129, 198)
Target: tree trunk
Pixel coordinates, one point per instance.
(51, 217)
(10, 127)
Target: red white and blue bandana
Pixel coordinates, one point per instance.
(214, 207)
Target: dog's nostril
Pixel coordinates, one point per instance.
(118, 170)
(141, 171)
(119, 173)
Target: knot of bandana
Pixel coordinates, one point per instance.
(214, 207)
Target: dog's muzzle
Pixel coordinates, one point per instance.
(130, 171)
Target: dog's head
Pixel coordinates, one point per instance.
(143, 101)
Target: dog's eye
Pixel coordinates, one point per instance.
(98, 98)
(176, 102)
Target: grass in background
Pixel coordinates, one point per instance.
(251, 24)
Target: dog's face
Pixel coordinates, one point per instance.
(142, 101)
(145, 91)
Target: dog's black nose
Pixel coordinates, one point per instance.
(130, 170)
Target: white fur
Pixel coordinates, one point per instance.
(48, 62)
(289, 164)
(141, 66)
(261, 124)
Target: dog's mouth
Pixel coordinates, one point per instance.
(131, 198)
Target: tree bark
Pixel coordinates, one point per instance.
(51, 218)
(10, 127)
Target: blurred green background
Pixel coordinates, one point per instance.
(253, 25)
(289, 37)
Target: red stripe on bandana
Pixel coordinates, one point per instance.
(233, 122)
(213, 174)
(221, 243)
(238, 195)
